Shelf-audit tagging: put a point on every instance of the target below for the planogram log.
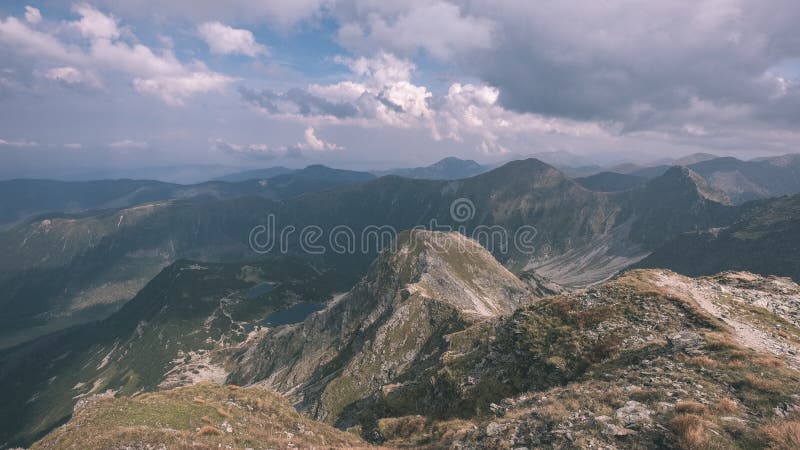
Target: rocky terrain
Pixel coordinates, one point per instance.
(390, 326)
(440, 346)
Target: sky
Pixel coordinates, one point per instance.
(103, 85)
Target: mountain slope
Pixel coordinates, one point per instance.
(610, 182)
(254, 174)
(201, 416)
(166, 336)
(765, 240)
(633, 363)
(390, 325)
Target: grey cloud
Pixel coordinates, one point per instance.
(302, 101)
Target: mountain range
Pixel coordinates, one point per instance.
(523, 308)
(437, 345)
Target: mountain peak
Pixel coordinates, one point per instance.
(682, 180)
(453, 269)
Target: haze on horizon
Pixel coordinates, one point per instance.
(99, 86)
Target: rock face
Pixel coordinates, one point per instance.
(389, 326)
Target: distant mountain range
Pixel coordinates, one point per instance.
(61, 268)
(22, 199)
(740, 180)
(447, 169)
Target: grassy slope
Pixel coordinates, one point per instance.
(200, 416)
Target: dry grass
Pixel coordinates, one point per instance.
(233, 387)
(223, 413)
(762, 384)
(704, 362)
(768, 361)
(208, 430)
(726, 406)
(690, 407)
(690, 432)
(782, 435)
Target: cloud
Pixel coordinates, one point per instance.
(71, 76)
(94, 24)
(298, 101)
(224, 40)
(159, 74)
(438, 27)
(32, 15)
(74, 146)
(174, 90)
(312, 142)
(20, 38)
(383, 95)
(129, 144)
(282, 14)
(255, 151)
(20, 143)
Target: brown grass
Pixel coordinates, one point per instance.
(690, 407)
(768, 361)
(223, 413)
(704, 362)
(762, 384)
(690, 432)
(206, 419)
(208, 430)
(726, 406)
(233, 387)
(782, 435)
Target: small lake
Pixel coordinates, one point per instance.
(296, 313)
(259, 290)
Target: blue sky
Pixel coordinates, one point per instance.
(102, 85)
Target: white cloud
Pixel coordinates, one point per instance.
(312, 142)
(94, 24)
(223, 40)
(159, 74)
(254, 151)
(174, 90)
(20, 143)
(32, 15)
(19, 37)
(128, 143)
(383, 95)
(69, 75)
(73, 145)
